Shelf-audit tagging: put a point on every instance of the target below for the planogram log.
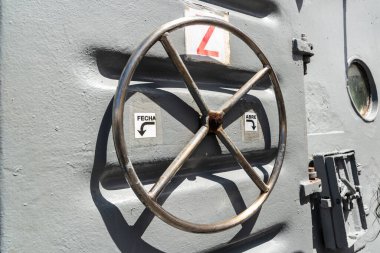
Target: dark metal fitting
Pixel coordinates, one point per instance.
(312, 173)
(215, 120)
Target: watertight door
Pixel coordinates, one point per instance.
(62, 188)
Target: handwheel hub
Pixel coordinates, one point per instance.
(215, 120)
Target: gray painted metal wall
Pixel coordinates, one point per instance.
(340, 31)
(61, 187)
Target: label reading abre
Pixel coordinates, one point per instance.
(250, 122)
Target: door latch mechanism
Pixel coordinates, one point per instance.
(341, 208)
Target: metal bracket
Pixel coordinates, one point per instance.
(304, 48)
(309, 187)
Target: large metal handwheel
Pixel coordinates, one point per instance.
(213, 122)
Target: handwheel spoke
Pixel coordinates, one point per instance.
(191, 85)
(222, 135)
(243, 90)
(178, 162)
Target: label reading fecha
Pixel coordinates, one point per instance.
(145, 125)
(250, 122)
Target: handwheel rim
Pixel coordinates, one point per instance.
(120, 144)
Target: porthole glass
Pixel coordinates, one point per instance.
(362, 90)
(359, 88)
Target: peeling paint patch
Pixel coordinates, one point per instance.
(321, 116)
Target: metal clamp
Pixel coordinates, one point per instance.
(304, 48)
(213, 122)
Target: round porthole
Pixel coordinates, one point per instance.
(362, 90)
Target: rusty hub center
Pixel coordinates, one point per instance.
(215, 120)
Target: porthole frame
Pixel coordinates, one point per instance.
(373, 98)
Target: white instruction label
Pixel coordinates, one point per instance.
(145, 125)
(250, 122)
(207, 42)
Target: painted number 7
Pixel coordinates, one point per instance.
(201, 48)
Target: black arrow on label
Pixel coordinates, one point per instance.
(253, 123)
(142, 131)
